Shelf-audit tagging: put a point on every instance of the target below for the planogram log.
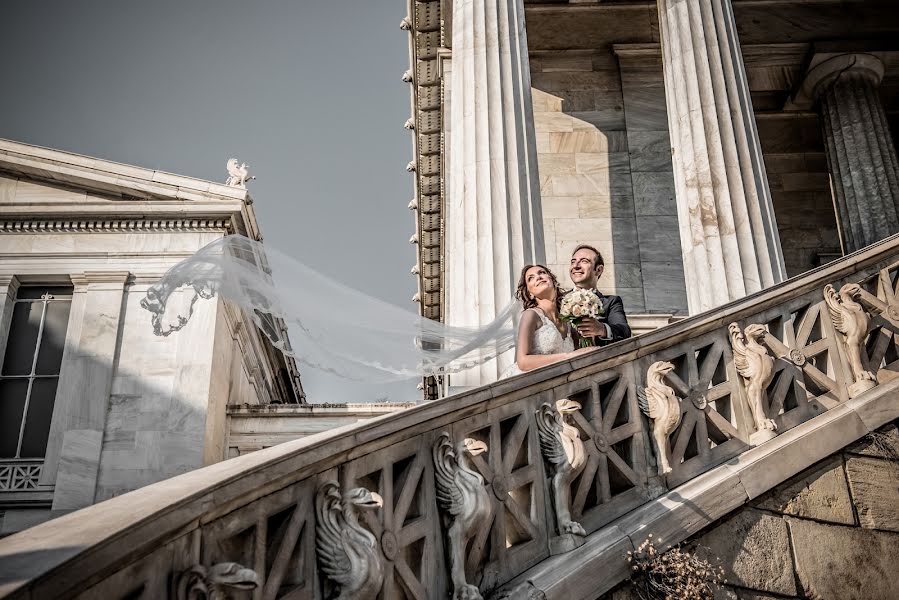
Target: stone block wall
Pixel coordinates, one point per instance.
(800, 189)
(605, 175)
(829, 533)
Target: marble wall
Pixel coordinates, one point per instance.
(605, 175)
(800, 187)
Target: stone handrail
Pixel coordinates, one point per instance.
(472, 492)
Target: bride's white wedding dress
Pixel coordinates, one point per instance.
(547, 340)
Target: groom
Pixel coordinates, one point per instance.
(585, 270)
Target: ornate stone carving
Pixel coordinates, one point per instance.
(413, 204)
(410, 166)
(465, 503)
(238, 174)
(213, 583)
(409, 124)
(563, 448)
(347, 552)
(406, 24)
(658, 402)
(756, 367)
(407, 76)
(850, 319)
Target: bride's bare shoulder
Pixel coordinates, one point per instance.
(531, 318)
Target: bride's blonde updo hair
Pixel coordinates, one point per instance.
(521, 293)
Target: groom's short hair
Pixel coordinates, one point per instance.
(599, 261)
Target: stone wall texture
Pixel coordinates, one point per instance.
(829, 533)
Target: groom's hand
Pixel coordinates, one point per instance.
(589, 328)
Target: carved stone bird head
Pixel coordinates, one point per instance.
(567, 406)
(474, 447)
(363, 498)
(755, 332)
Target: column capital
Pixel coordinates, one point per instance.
(9, 284)
(103, 279)
(828, 69)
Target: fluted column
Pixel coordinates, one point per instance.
(861, 156)
(729, 236)
(494, 223)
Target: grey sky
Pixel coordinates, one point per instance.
(308, 93)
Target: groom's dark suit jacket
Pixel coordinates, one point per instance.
(613, 316)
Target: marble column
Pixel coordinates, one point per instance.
(79, 414)
(861, 156)
(729, 236)
(494, 223)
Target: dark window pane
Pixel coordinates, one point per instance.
(36, 291)
(40, 411)
(22, 339)
(12, 402)
(53, 338)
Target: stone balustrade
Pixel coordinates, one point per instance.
(539, 478)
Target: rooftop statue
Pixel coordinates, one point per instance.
(238, 174)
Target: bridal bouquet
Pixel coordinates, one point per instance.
(578, 304)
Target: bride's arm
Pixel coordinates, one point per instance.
(526, 361)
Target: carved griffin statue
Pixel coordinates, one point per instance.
(756, 367)
(563, 448)
(850, 319)
(238, 174)
(464, 500)
(658, 402)
(347, 552)
(213, 583)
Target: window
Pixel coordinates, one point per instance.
(30, 371)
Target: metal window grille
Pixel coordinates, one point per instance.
(30, 369)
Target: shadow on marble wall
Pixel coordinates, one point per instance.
(605, 171)
(153, 428)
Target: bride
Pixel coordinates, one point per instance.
(543, 337)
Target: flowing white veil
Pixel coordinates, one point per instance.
(333, 327)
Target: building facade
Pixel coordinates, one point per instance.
(708, 148)
(93, 404)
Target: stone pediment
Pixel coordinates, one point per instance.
(37, 184)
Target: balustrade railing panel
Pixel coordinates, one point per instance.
(497, 480)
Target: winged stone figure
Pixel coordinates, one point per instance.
(463, 498)
(658, 402)
(238, 174)
(563, 448)
(850, 319)
(756, 367)
(347, 552)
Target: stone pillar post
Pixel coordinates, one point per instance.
(729, 236)
(85, 377)
(861, 157)
(9, 284)
(494, 222)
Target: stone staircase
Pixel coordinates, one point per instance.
(483, 480)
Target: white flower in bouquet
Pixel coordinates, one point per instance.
(578, 304)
